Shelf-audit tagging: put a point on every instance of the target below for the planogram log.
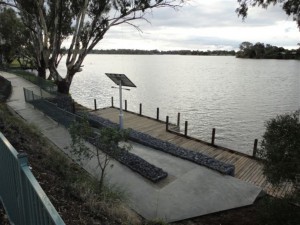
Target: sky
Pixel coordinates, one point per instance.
(205, 25)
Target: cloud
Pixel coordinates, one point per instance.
(205, 24)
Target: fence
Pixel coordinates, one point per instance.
(175, 128)
(42, 83)
(24, 200)
(60, 113)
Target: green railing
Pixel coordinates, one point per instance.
(23, 198)
(56, 111)
(42, 83)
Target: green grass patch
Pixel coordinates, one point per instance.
(47, 85)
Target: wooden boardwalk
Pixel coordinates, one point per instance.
(246, 167)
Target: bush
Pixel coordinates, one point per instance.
(5, 89)
(280, 148)
(275, 211)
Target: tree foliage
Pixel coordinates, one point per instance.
(105, 140)
(157, 52)
(262, 51)
(280, 149)
(13, 39)
(85, 22)
(290, 7)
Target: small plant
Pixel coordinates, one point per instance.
(105, 140)
(278, 212)
(156, 222)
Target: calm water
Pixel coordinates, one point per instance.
(235, 96)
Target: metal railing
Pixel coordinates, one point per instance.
(23, 198)
(54, 111)
(42, 83)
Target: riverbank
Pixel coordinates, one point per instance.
(230, 214)
(72, 193)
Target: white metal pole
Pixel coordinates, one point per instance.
(121, 110)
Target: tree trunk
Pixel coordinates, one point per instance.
(63, 85)
(101, 181)
(42, 72)
(42, 68)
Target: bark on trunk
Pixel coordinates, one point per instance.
(42, 72)
(63, 86)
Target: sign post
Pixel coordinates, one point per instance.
(122, 81)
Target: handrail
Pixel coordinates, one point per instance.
(23, 198)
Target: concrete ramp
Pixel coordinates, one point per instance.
(189, 191)
(199, 193)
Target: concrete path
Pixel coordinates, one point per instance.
(189, 191)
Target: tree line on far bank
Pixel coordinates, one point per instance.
(158, 52)
(266, 51)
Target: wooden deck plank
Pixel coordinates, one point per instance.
(249, 171)
(246, 167)
(252, 175)
(239, 164)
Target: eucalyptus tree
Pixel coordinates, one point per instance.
(11, 35)
(290, 7)
(83, 22)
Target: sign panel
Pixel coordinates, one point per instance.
(116, 78)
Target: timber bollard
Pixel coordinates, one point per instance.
(255, 147)
(140, 109)
(167, 123)
(178, 120)
(157, 114)
(185, 128)
(213, 135)
(126, 105)
(95, 104)
(112, 101)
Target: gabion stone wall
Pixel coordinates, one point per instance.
(167, 147)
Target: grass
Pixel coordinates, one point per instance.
(43, 83)
(16, 64)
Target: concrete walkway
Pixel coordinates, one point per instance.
(189, 191)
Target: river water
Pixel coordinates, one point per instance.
(235, 96)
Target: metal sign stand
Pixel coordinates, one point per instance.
(121, 80)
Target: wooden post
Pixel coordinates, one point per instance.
(95, 104)
(157, 114)
(125, 105)
(178, 120)
(255, 147)
(112, 101)
(185, 128)
(140, 109)
(167, 123)
(213, 135)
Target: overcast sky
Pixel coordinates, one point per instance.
(205, 25)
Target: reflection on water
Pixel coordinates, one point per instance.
(233, 95)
